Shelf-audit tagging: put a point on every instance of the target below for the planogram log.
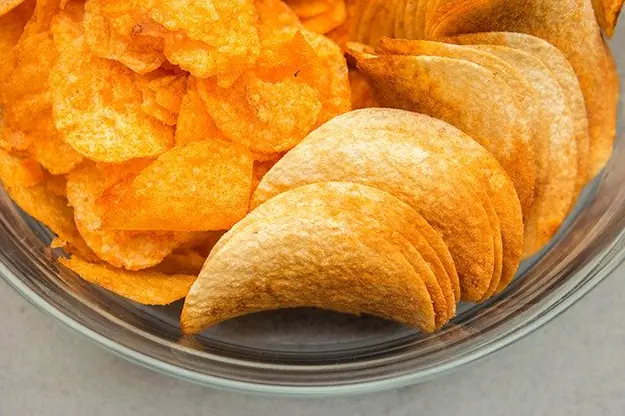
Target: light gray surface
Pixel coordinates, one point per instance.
(574, 366)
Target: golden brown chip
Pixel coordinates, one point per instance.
(197, 187)
(128, 249)
(415, 176)
(379, 213)
(561, 69)
(443, 138)
(572, 27)
(145, 287)
(97, 109)
(308, 260)
(454, 89)
(182, 262)
(557, 177)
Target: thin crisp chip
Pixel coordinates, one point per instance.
(145, 287)
(197, 187)
(415, 176)
(97, 109)
(308, 260)
(128, 249)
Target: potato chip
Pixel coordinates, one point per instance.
(225, 47)
(194, 122)
(50, 151)
(112, 31)
(51, 210)
(502, 127)
(442, 138)
(340, 35)
(557, 179)
(379, 213)
(97, 109)
(362, 92)
(561, 69)
(128, 249)
(182, 262)
(307, 260)
(16, 171)
(145, 287)
(415, 176)
(11, 28)
(197, 187)
(112, 173)
(329, 20)
(608, 12)
(572, 27)
(162, 95)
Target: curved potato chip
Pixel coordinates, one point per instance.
(379, 213)
(608, 12)
(307, 260)
(440, 87)
(128, 249)
(194, 123)
(197, 187)
(145, 287)
(97, 109)
(443, 138)
(560, 68)
(572, 27)
(139, 52)
(415, 176)
(557, 180)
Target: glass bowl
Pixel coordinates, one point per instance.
(316, 353)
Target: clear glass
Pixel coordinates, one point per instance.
(317, 353)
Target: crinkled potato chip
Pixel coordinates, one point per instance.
(608, 12)
(97, 109)
(112, 31)
(145, 287)
(51, 210)
(17, 171)
(308, 260)
(440, 87)
(194, 122)
(131, 250)
(415, 176)
(561, 69)
(162, 95)
(572, 27)
(443, 138)
(379, 213)
(197, 187)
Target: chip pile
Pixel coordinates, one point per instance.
(206, 149)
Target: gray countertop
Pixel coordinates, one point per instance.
(575, 366)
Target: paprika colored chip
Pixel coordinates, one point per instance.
(113, 30)
(197, 187)
(194, 122)
(97, 109)
(162, 95)
(146, 287)
(131, 250)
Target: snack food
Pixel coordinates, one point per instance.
(161, 141)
